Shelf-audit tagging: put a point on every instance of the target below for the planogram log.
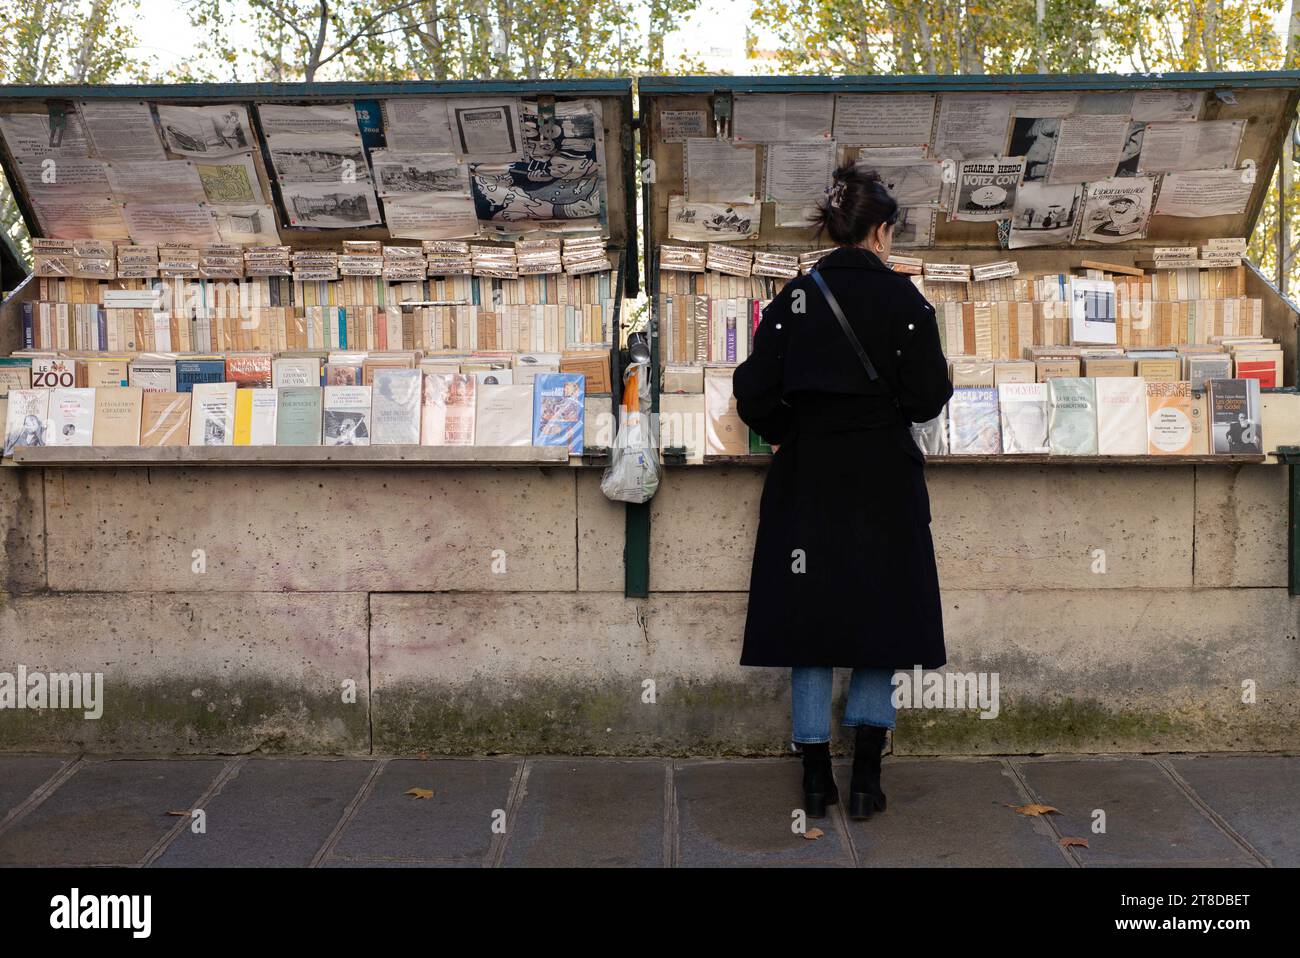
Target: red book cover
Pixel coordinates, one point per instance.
(249, 372)
(1262, 369)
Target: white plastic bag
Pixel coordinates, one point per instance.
(633, 471)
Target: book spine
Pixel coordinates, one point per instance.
(29, 339)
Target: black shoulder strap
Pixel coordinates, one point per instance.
(844, 324)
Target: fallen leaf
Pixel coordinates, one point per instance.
(420, 792)
(813, 834)
(1033, 809)
(1067, 842)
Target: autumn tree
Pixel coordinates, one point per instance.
(63, 42)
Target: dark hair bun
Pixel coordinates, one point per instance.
(857, 202)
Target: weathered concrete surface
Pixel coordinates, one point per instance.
(994, 528)
(22, 531)
(321, 530)
(601, 530)
(314, 576)
(1115, 671)
(545, 673)
(195, 672)
(1241, 521)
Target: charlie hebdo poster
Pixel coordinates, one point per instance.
(560, 176)
(986, 189)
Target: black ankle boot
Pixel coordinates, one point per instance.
(865, 794)
(818, 780)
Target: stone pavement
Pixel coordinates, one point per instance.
(1221, 810)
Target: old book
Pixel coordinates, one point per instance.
(528, 365)
(504, 414)
(557, 410)
(1092, 311)
(165, 419)
(298, 416)
(974, 427)
(99, 373)
(346, 416)
(27, 418)
(255, 417)
(1159, 370)
(296, 371)
(599, 421)
(212, 414)
(342, 374)
(395, 407)
(725, 432)
(1234, 416)
(447, 417)
(153, 375)
(1094, 367)
(1200, 368)
(1121, 416)
(592, 363)
(15, 373)
(1169, 418)
(1072, 416)
(49, 372)
(249, 370)
(1279, 421)
(72, 417)
(931, 437)
(1046, 369)
(118, 411)
(1023, 408)
(1014, 371)
(681, 424)
(204, 370)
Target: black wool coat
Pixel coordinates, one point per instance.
(844, 571)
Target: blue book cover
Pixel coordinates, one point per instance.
(557, 410)
(370, 121)
(191, 371)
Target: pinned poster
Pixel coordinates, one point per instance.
(986, 189)
(1116, 210)
(1203, 193)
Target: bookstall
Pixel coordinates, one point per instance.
(1081, 238)
(385, 266)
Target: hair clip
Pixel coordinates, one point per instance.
(836, 194)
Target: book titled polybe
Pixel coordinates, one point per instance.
(557, 410)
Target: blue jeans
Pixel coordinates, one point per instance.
(870, 700)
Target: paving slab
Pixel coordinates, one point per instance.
(951, 814)
(582, 813)
(1149, 819)
(739, 814)
(20, 775)
(1256, 795)
(107, 813)
(272, 813)
(454, 826)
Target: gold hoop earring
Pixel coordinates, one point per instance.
(880, 248)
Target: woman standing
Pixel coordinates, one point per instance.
(843, 571)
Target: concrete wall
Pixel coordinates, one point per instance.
(404, 609)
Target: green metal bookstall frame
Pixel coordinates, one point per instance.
(720, 91)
